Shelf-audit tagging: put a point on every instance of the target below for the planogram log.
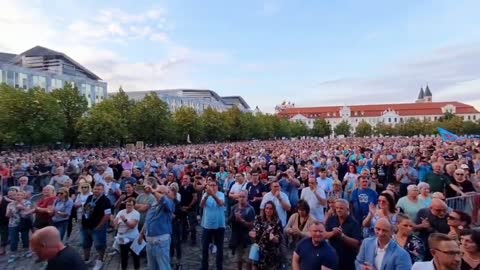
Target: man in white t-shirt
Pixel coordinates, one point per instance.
(240, 184)
(279, 199)
(315, 197)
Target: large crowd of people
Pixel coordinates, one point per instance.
(350, 203)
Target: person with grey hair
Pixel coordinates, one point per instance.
(381, 251)
(241, 219)
(425, 196)
(344, 234)
(406, 175)
(410, 204)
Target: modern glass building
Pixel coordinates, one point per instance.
(194, 98)
(49, 70)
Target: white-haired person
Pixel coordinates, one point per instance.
(424, 197)
(410, 204)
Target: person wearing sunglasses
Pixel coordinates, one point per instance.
(446, 253)
(458, 221)
(62, 210)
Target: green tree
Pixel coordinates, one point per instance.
(363, 129)
(73, 106)
(343, 128)
(236, 125)
(187, 124)
(453, 124)
(321, 128)
(102, 125)
(299, 129)
(152, 120)
(123, 106)
(214, 125)
(32, 117)
(385, 129)
(470, 128)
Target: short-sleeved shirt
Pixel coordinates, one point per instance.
(123, 229)
(94, 210)
(187, 194)
(59, 181)
(316, 209)
(437, 182)
(145, 199)
(213, 214)
(67, 258)
(282, 214)
(255, 191)
(314, 257)
(346, 253)
(361, 199)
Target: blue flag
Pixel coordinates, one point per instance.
(447, 135)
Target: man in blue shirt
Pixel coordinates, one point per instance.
(213, 223)
(158, 229)
(361, 198)
(315, 252)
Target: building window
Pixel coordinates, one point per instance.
(39, 81)
(1, 76)
(389, 120)
(468, 117)
(56, 84)
(395, 119)
(435, 118)
(474, 117)
(11, 78)
(21, 80)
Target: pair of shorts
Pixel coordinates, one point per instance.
(98, 238)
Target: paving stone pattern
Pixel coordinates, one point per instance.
(191, 256)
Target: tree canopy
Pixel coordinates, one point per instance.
(36, 117)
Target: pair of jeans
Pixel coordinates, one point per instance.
(13, 236)
(95, 237)
(124, 251)
(158, 255)
(176, 245)
(218, 239)
(61, 227)
(189, 223)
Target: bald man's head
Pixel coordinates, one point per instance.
(383, 230)
(46, 242)
(438, 208)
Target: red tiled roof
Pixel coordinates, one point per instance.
(403, 109)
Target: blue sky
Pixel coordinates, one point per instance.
(309, 52)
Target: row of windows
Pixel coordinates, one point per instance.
(398, 120)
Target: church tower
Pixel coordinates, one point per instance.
(428, 94)
(421, 96)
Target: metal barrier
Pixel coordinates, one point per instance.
(469, 203)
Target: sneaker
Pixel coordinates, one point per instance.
(98, 265)
(212, 248)
(113, 253)
(28, 254)
(12, 258)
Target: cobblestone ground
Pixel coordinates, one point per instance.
(190, 261)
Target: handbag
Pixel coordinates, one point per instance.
(254, 254)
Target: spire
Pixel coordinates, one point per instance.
(427, 92)
(421, 94)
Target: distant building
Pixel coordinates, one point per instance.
(423, 109)
(196, 99)
(49, 70)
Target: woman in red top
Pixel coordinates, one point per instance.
(44, 210)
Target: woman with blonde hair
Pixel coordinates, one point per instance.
(62, 209)
(45, 210)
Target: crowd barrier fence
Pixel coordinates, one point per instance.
(468, 203)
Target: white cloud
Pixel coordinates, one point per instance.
(89, 41)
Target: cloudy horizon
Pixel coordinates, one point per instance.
(267, 51)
